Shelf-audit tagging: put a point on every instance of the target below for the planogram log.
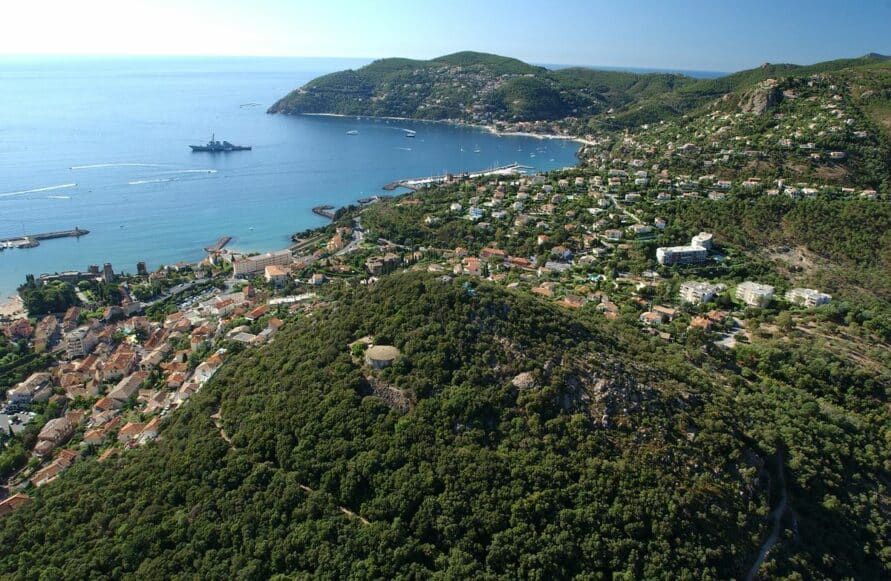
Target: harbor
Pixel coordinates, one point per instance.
(32, 240)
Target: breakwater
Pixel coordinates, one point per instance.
(32, 240)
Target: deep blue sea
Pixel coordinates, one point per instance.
(102, 144)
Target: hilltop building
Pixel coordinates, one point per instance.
(380, 356)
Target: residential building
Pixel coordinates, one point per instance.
(754, 294)
(672, 255)
(18, 329)
(808, 297)
(276, 274)
(703, 240)
(253, 264)
(699, 292)
(651, 318)
(130, 431)
(695, 253)
(8, 505)
(46, 475)
(128, 386)
(80, 342)
(34, 389)
(54, 432)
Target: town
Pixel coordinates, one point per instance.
(105, 356)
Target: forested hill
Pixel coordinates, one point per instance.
(509, 440)
(470, 86)
(483, 88)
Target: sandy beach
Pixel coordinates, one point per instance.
(11, 307)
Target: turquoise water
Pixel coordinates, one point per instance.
(103, 144)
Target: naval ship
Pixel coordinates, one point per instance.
(215, 146)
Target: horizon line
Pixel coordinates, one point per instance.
(371, 59)
(62, 56)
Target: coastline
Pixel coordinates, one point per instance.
(487, 128)
(11, 306)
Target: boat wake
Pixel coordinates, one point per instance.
(404, 148)
(58, 197)
(101, 165)
(37, 190)
(152, 181)
(191, 171)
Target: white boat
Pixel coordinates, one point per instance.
(352, 132)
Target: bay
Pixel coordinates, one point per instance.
(102, 144)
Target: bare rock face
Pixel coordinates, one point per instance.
(389, 394)
(524, 380)
(762, 99)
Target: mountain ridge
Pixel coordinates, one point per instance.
(479, 87)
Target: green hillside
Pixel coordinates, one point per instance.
(471, 86)
(536, 445)
(478, 87)
(689, 96)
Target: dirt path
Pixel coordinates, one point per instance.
(777, 516)
(217, 421)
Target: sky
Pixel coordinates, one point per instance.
(708, 35)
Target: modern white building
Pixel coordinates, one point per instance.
(695, 253)
(754, 294)
(703, 240)
(670, 255)
(808, 297)
(253, 264)
(699, 292)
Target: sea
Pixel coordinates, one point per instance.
(101, 143)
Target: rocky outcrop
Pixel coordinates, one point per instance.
(393, 397)
(763, 98)
(524, 380)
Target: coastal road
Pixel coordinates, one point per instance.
(358, 238)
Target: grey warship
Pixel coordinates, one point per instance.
(214, 146)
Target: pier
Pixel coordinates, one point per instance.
(326, 211)
(219, 244)
(415, 184)
(32, 240)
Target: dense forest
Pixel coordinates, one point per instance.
(538, 443)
